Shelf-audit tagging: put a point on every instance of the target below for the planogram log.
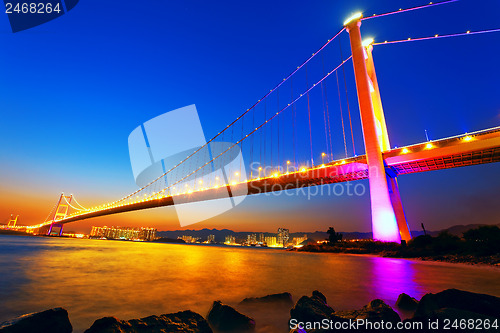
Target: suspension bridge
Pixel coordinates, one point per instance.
(297, 136)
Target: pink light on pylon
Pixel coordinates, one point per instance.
(384, 225)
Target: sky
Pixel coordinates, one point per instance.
(73, 89)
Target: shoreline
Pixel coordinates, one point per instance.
(422, 248)
(468, 260)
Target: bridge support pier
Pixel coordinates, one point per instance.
(397, 204)
(12, 220)
(386, 204)
(53, 231)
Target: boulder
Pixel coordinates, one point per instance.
(284, 299)
(224, 318)
(375, 311)
(461, 300)
(406, 302)
(311, 309)
(319, 296)
(452, 314)
(185, 321)
(54, 321)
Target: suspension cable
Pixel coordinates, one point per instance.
(77, 209)
(430, 4)
(79, 204)
(230, 125)
(266, 121)
(51, 211)
(438, 36)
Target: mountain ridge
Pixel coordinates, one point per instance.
(220, 235)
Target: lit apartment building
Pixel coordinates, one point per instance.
(124, 233)
(230, 240)
(283, 237)
(271, 241)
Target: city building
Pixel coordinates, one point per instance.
(188, 239)
(230, 239)
(252, 239)
(148, 234)
(261, 238)
(283, 237)
(297, 240)
(211, 239)
(271, 241)
(129, 233)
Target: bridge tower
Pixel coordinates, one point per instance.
(61, 212)
(12, 220)
(388, 219)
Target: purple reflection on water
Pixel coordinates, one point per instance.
(391, 277)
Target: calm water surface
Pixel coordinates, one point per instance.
(95, 278)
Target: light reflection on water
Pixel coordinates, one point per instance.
(93, 278)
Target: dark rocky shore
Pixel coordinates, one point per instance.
(396, 251)
(479, 245)
(463, 311)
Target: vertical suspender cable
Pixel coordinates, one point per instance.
(251, 145)
(293, 123)
(309, 115)
(265, 135)
(347, 99)
(260, 161)
(272, 165)
(241, 152)
(341, 114)
(324, 113)
(278, 117)
(328, 115)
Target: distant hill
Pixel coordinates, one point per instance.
(457, 230)
(220, 235)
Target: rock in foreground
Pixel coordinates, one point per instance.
(312, 312)
(311, 309)
(461, 300)
(224, 318)
(185, 322)
(375, 311)
(284, 299)
(406, 302)
(54, 321)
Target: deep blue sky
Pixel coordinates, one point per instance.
(74, 88)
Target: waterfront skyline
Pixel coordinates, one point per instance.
(72, 137)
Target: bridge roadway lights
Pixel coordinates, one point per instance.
(384, 223)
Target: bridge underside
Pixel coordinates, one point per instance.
(479, 148)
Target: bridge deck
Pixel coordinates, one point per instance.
(475, 148)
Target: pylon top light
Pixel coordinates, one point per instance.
(367, 42)
(354, 17)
